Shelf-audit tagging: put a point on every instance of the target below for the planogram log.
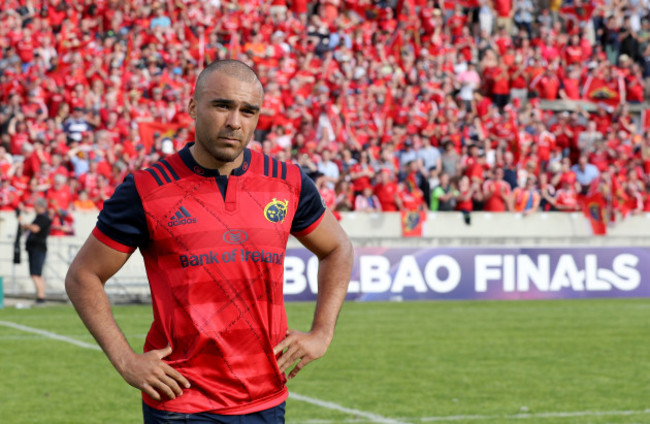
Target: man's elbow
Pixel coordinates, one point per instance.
(345, 252)
(341, 251)
(72, 282)
(347, 248)
(75, 279)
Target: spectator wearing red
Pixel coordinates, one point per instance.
(19, 180)
(62, 223)
(547, 84)
(386, 191)
(59, 196)
(361, 173)
(501, 86)
(6, 162)
(25, 47)
(465, 44)
(472, 163)
(89, 180)
(272, 108)
(116, 127)
(299, 8)
(9, 197)
(457, 22)
(623, 120)
(19, 133)
(481, 104)
(503, 39)
(505, 13)
(600, 156)
(570, 84)
(572, 53)
(496, 192)
(518, 79)
(563, 174)
(467, 192)
(546, 143)
(602, 118)
(101, 192)
(503, 132)
(563, 132)
(635, 85)
(32, 193)
(34, 108)
(550, 47)
(566, 198)
(37, 157)
(44, 177)
(410, 197)
(428, 15)
(634, 202)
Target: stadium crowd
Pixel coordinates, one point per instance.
(388, 105)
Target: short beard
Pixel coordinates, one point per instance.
(223, 157)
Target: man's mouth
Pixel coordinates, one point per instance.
(230, 139)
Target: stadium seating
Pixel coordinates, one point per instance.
(412, 89)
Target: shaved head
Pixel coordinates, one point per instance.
(232, 68)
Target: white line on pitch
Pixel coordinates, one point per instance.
(533, 415)
(375, 418)
(50, 335)
(452, 418)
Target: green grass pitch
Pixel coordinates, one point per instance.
(479, 362)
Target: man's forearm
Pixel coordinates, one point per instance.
(333, 279)
(93, 307)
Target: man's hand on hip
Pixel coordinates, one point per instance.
(149, 373)
(301, 347)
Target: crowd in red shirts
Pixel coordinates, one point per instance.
(387, 104)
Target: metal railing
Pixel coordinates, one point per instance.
(128, 285)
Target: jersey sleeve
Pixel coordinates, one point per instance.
(122, 224)
(311, 208)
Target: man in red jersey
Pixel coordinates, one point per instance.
(497, 193)
(386, 191)
(212, 223)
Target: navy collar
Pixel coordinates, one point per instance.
(188, 159)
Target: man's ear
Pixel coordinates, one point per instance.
(191, 108)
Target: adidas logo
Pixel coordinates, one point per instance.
(181, 217)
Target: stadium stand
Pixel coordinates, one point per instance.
(473, 105)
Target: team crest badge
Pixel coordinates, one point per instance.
(411, 220)
(276, 210)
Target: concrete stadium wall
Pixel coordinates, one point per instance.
(365, 229)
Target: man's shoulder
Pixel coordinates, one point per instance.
(268, 166)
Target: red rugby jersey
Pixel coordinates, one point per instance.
(215, 267)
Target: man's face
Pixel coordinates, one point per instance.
(226, 111)
(582, 162)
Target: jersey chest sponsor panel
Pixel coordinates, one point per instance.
(216, 273)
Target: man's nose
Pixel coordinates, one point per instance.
(234, 119)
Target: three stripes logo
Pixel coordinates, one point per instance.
(181, 217)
